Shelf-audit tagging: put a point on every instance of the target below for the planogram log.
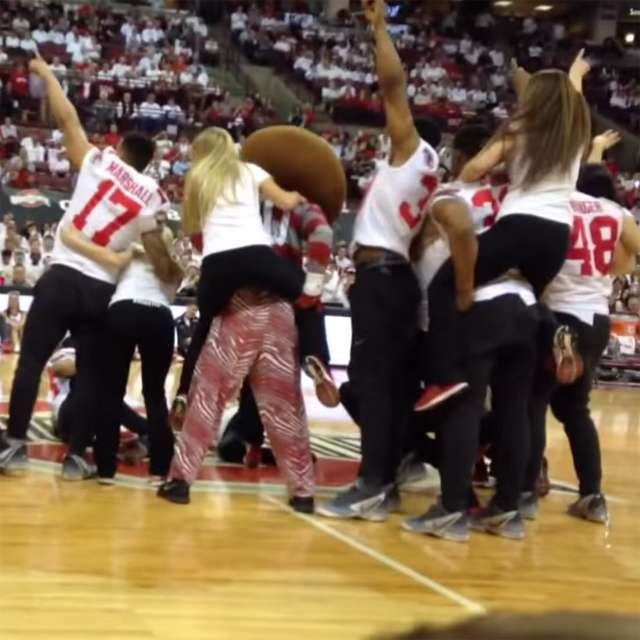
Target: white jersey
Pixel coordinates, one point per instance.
(483, 203)
(396, 202)
(583, 286)
(139, 283)
(112, 204)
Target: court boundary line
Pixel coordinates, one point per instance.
(425, 581)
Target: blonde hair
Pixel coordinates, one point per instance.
(215, 165)
(551, 126)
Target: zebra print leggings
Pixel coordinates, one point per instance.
(254, 338)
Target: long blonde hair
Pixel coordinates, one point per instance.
(550, 128)
(215, 165)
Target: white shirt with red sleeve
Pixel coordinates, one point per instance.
(113, 204)
(396, 202)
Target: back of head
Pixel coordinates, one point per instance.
(468, 142)
(551, 128)
(137, 150)
(596, 180)
(215, 165)
(429, 131)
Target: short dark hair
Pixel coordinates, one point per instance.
(470, 139)
(7, 253)
(429, 131)
(596, 180)
(138, 150)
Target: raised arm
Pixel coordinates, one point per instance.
(519, 78)
(602, 143)
(579, 70)
(64, 113)
(453, 216)
(392, 81)
(485, 161)
(76, 240)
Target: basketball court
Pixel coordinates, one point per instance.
(81, 560)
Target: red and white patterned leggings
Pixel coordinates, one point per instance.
(254, 337)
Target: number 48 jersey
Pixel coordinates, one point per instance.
(112, 204)
(583, 286)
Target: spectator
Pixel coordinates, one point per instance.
(19, 276)
(185, 328)
(342, 259)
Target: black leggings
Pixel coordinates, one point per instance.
(150, 328)
(570, 406)
(222, 275)
(537, 247)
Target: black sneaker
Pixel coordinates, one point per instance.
(440, 523)
(592, 508)
(14, 459)
(302, 505)
(176, 491)
(492, 519)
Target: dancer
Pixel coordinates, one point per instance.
(114, 204)
(543, 144)
(385, 296)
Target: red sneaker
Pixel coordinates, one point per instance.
(434, 395)
(326, 390)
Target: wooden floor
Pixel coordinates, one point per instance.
(80, 561)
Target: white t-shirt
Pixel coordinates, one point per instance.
(583, 286)
(139, 282)
(235, 220)
(112, 204)
(548, 199)
(396, 202)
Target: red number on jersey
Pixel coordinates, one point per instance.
(483, 198)
(117, 197)
(600, 256)
(430, 183)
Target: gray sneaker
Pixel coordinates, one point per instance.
(592, 508)
(14, 459)
(440, 523)
(359, 502)
(506, 524)
(76, 468)
(528, 505)
(411, 470)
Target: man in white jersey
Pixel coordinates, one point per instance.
(579, 297)
(498, 334)
(113, 205)
(385, 296)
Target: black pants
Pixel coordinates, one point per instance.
(149, 328)
(68, 417)
(64, 300)
(246, 426)
(500, 339)
(535, 246)
(384, 304)
(222, 275)
(570, 406)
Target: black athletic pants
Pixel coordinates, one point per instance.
(245, 427)
(222, 274)
(64, 300)
(384, 303)
(537, 247)
(570, 406)
(499, 337)
(150, 328)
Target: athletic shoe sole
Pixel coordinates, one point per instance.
(439, 399)
(326, 389)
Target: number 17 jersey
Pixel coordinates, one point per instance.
(583, 286)
(112, 204)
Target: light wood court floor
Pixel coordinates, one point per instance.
(80, 561)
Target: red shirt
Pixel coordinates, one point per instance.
(112, 139)
(19, 83)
